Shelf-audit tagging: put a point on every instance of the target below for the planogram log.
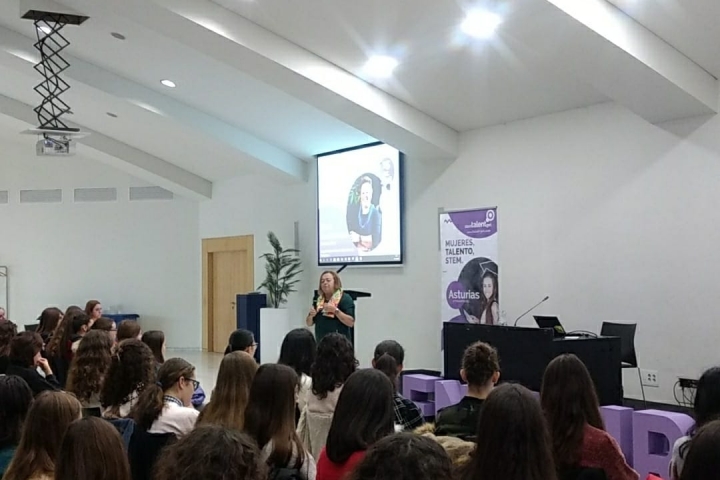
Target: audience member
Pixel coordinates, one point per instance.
(3, 315)
(298, 351)
(8, 330)
(105, 324)
(211, 452)
(155, 339)
(404, 456)
(132, 368)
(364, 415)
(242, 341)
(47, 421)
(15, 400)
(89, 366)
(702, 461)
(80, 326)
(481, 371)
(232, 391)
(94, 310)
(334, 363)
(25, 357)
(73, 309)
(576, 427)
(49, 319)
(165, 406)
(92, 449)
(512, 439)
(458, 450)
(129, 330)
(59, 349)
(705, 409)
(270, 420)
(388, 358)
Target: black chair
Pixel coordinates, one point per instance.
(582, 474)
(31, 327)
(628, 355)
(144, 450)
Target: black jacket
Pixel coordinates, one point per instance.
(36, 381)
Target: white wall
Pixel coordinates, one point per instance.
(144, 256)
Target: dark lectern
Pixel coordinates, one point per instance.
(248, 315)
(526, 352)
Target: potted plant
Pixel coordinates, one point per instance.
(282, 274)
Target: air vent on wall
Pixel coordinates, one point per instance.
(95, 194)
(4, 197)
(41, 196)
(150, 193)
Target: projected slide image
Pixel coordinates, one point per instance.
(359, 206)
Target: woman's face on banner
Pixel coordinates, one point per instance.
(488, 289)
(366, 192)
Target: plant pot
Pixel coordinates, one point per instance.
(274, 325)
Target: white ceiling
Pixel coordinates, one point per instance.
(263, 85)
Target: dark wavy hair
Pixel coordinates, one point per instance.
(24, 347)
(8, 330)
(334, 363)
(92, 448)
(405, 456)
(570, 403)
(15, 400)
(480, 362)
(89, 365)
(150, 404)
(354, 429)
(298, 350)
(512, 441)
(132, 368)
(211, 452)
(59, 344)
(49, 320)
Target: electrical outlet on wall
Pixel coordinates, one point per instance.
(650, 378)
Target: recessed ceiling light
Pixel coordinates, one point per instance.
(380, 66)
(168, 83)
(481, 24)
(117, 35)
(45, 29)
(111, 114)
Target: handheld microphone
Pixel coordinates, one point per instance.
(547, 297)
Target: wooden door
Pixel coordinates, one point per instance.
(228, 270)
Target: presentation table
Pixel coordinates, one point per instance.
(526, 352)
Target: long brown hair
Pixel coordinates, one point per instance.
(270, 414)
(90, 306)
(128, 329)
(49, 320)
(132, 368)
(59, 344)
(155, 339)
(8, 330)
(512, 441)
(150, 404)
(232, 390)
(570, 403)
(92, 448)
(89, 365)
(49, 417)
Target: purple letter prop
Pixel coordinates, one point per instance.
(448, 392)
(619, 424)
(654, 433)
(421, 390)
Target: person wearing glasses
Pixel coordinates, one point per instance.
(166, 406)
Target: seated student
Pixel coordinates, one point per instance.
(270, 420)
(155, 339)
(59, 350)
(579, 439)
(334, 363)
(458, 450)
(298, 351)
(211, 452)
(25, 357)
(702, 461)
(8, 330)
(388, 358)
(88, 368)
(364, 415)
(92, 449)
(132, 368)
(512, 440)
(105, 324)
(80, 326)
(705, 409)
(129, 329)
(232, 391)
(15, 400)
(49, 319)
(481, 371)
(404, 456)
(165, 406)
(94, 310)
(45, 425)
(242, 341)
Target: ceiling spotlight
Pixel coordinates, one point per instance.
(117, 35)
(380, 66)
(480, 24)
(111, 114)
(168, 83)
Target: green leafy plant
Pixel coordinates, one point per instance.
(282, 269)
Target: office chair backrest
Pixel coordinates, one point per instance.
(31, 327)
(626, 332)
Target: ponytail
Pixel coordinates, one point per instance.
(387, 365)
(151, 401)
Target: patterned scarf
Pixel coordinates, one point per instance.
(334, 300)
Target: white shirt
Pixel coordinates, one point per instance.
(175, 419)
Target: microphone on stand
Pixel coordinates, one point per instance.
(531, 309)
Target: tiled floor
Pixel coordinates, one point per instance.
(206, 366)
